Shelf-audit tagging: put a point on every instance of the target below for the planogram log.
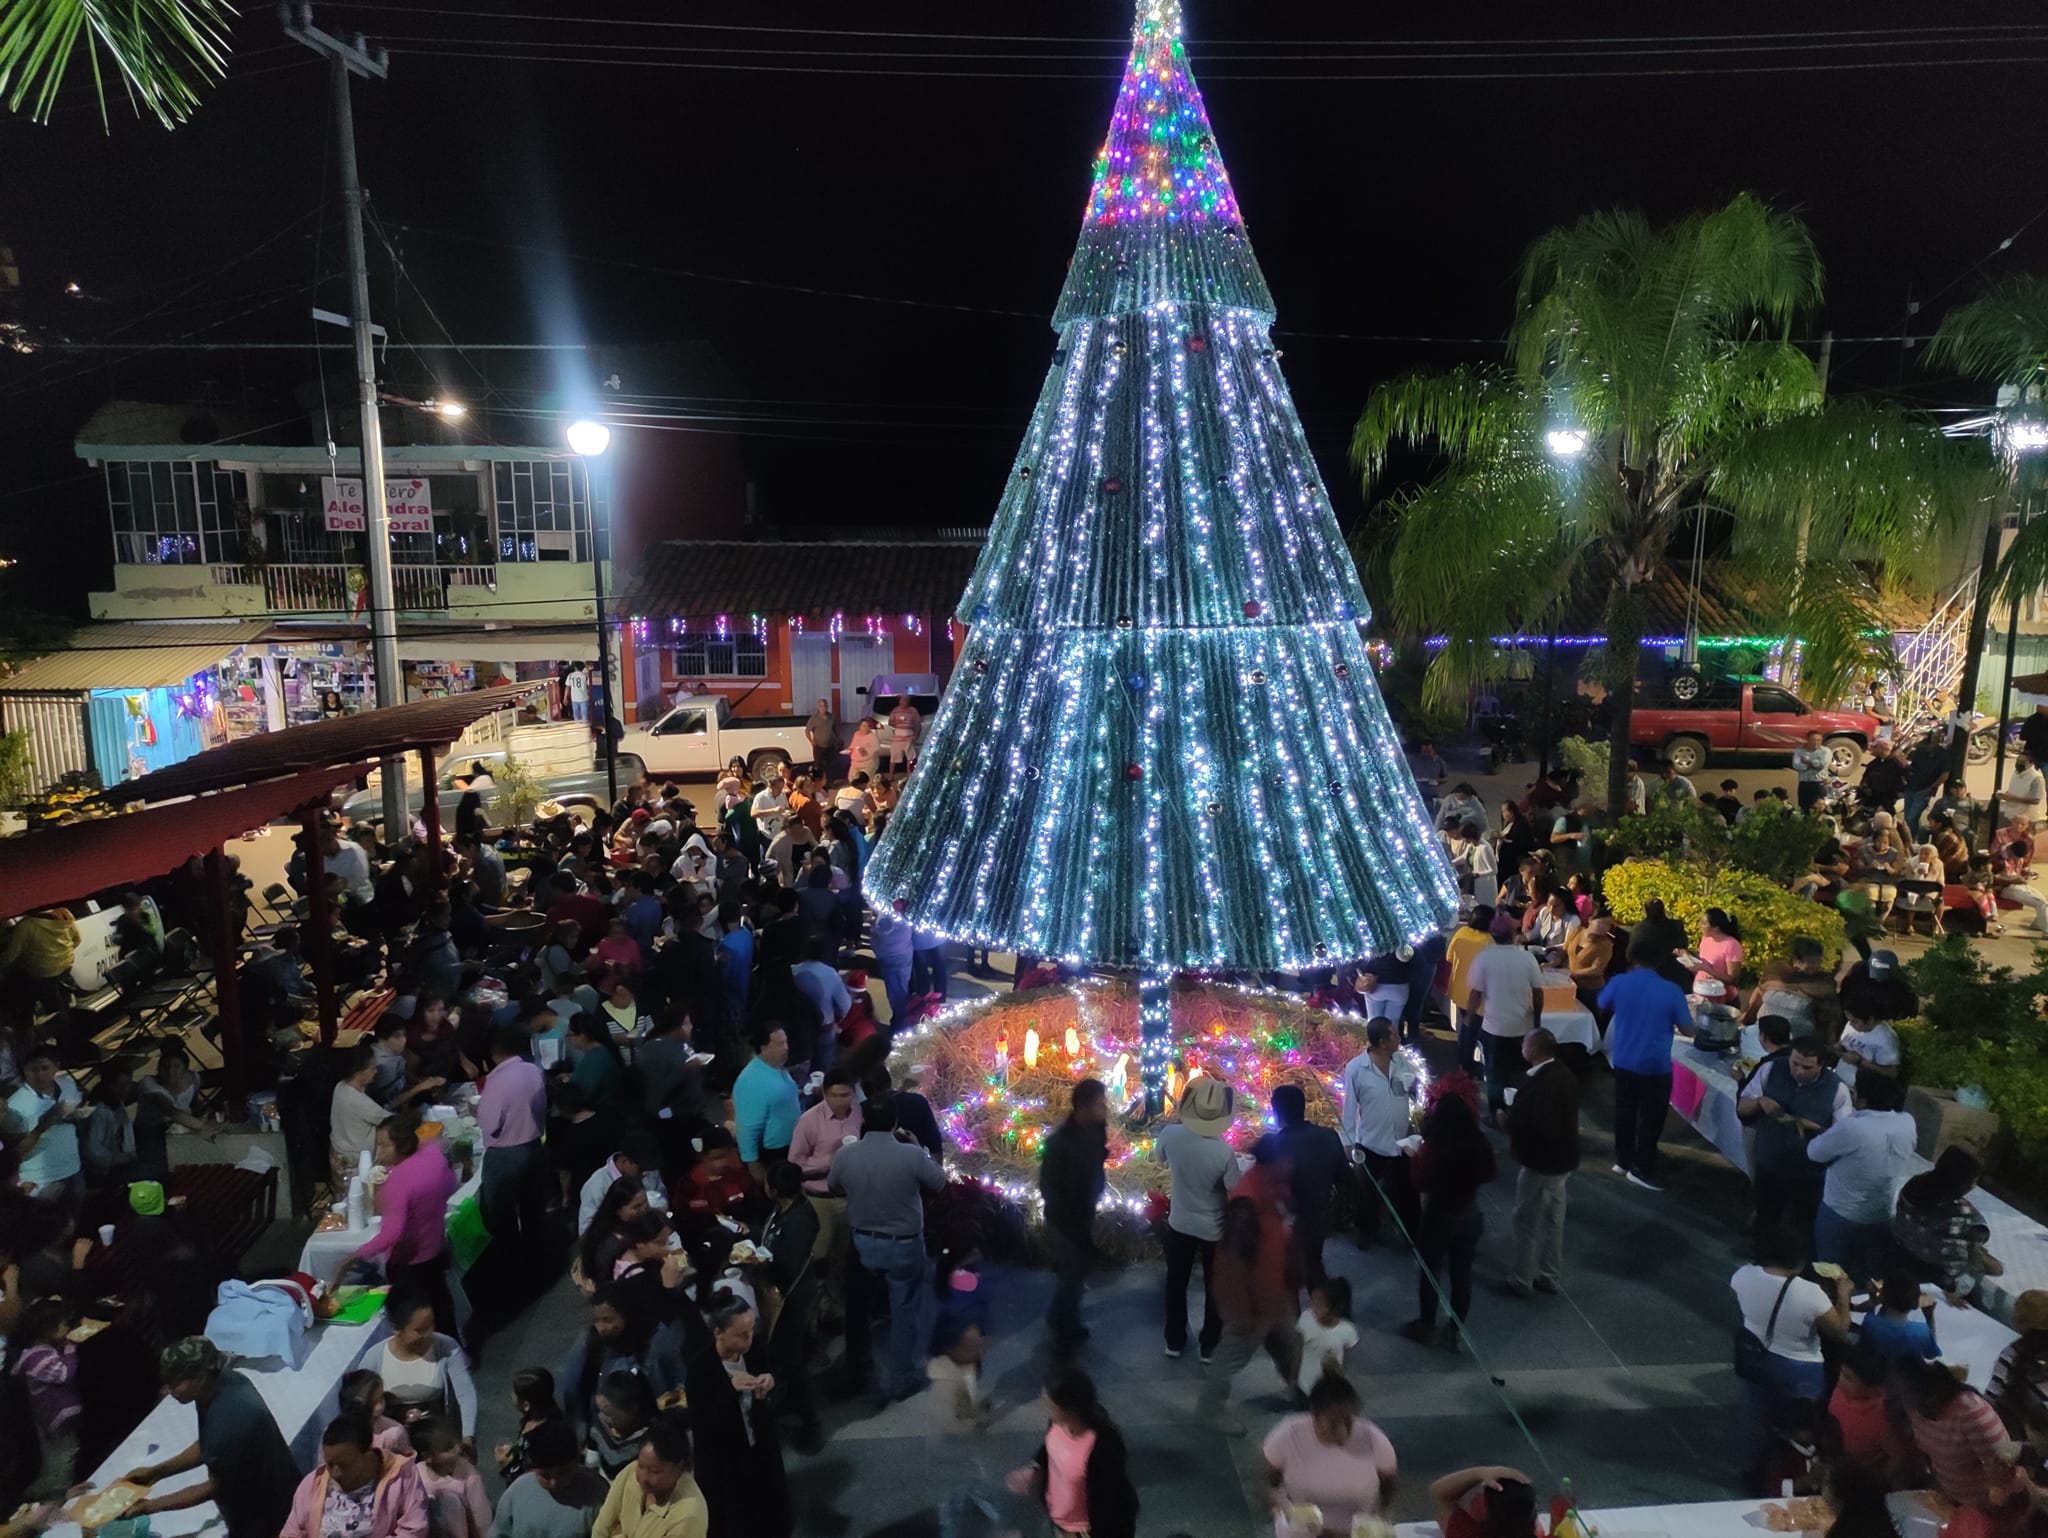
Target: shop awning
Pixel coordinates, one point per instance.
(136, 656)
(509, 643)
(371, 734)
(65, 864)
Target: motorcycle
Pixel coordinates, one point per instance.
(1504, 744)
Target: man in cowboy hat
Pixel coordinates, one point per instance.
(1204, 1168)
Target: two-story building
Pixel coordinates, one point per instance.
(239, 593)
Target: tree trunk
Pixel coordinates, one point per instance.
(1624, 647)
(1973, 655)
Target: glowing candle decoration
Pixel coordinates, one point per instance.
(1168, 751)
(1031, 1049)
(1073, 1042)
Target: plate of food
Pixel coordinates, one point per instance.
(745, 1253)
(96, 1508)
(85, 1330)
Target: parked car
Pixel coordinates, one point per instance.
(1738, 718)
(700, 735)
(885, 689)
(583, 787)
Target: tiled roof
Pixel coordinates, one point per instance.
(701, 579)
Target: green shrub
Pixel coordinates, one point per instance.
(1771, 917)
(1982, 1025)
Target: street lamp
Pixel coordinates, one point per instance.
(587, 440)
(1565, 442)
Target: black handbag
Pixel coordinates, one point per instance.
(1749, 1351)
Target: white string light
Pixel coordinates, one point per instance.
(1164, 748)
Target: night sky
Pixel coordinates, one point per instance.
(538, 199)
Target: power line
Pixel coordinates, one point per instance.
(1412, 77)
(1209, 56)
(1121, 40)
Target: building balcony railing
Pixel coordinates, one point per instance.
(324, 587)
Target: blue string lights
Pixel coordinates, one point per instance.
(1164, 748)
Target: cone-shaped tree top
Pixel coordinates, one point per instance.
(1162, 223)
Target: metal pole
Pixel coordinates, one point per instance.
(320, 919)
(2012, 636)
(343, 60)
(430, 814)
(1549, 690)
(227, 981)
(610, 749)
(383, 608)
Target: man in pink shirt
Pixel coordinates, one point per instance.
(820, 1133)
(412, 1207)
(511, 1113)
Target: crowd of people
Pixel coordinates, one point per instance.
(662, 1025)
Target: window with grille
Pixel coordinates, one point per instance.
(182, 513)
(544, 508)
(710, 655)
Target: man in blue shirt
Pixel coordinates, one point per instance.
(1647, 1008)
(764, 1104)
(735, 960)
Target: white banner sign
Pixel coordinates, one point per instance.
(408, 504)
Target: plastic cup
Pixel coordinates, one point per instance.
(107, 1235)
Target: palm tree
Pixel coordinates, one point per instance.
(1648, 383)
(2002, 338)
(162, 51)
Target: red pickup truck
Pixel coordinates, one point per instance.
(1760, 718)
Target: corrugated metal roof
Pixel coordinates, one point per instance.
(369, 734)
(134, 656)
(693, 579)
(62, 864)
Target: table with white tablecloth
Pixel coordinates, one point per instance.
(301, 1400)
(1564, 1016)
(1915, 1513)
(325, 1251)
(1703, 1091)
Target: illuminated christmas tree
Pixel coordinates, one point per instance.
(1163, 748)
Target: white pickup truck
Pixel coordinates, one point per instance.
(700, 735)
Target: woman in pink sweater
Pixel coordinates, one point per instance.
(359, 1490)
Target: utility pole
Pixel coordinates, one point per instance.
(345, 59)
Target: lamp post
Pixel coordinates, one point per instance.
(2018, 437)
(1560, 443)
(588, 440)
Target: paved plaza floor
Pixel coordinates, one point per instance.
(1620, 1383)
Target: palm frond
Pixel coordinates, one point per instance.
(1830, 607)
(1465, 414)
(163, 51)
(2023, 570)
(1854, 478)
(1730, 389)
(2001, 336)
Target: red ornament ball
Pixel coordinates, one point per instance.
(1198, 344)
(1112, 485)
(1134, 771)
(1343, 670)
(902, 905)
(1253, 608)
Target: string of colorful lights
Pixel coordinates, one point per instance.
(1163, 748)
(1004, 1067)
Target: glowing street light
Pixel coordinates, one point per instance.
(448, 411)
(2025, 435)
(589, 438)
(1565, 442)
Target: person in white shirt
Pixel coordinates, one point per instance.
(1481, 866)
(348, 860)
(639, 1156)
(906, 727)
(771, 811)
(1865, 1153)
(1326, 1331)
(1786, 1315)
(1504, 987)
(1378, 1093)
(2021, 800)
(576, 689)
